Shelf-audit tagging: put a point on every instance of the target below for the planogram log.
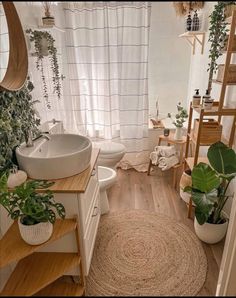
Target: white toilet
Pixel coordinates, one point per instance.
(110, 154)
(106, 178)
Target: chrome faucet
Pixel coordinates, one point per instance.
(30, 140)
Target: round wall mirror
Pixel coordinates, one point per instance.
(13, 50)
(4, 43)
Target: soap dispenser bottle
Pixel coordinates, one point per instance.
(207, 101)
(196, 99)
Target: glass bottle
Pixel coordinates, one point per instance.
(189, 22)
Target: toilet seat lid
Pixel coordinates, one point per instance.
(109, 147)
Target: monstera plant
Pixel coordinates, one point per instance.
(209, 191)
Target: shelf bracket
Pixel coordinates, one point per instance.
(194, 37)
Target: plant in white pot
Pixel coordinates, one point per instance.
(36, 212)
(180, 118)
(209, 192)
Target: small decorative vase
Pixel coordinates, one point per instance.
(35, 234)
(166, 132)
(16, 177)
(178, 133)
(210, 233)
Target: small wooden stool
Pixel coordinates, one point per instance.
(170, 140)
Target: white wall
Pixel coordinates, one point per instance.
(169, 59)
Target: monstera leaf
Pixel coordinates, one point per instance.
(204, 178)
(204, 191)
(223, 160)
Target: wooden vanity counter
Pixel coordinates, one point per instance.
(76, 183)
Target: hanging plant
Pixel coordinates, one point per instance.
(217, 38)
(17, 117)
(42, 39)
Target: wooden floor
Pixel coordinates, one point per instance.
(134, 190)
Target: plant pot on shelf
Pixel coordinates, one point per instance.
(35, 234)
(178, 134)
(48, 21)
(185, 180)
(210, 233)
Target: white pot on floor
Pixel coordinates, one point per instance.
(210, 233)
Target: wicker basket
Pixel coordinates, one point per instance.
(211, 131)
(229, 10)
(231, 73)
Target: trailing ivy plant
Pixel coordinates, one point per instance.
(17, 118)
(37, 37)
(217, 38)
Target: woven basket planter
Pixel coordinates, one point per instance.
(185, 180)
(35, 234)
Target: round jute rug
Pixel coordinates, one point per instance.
(142, 253)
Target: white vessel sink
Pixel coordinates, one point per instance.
(63, 155)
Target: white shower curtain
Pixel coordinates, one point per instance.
(107, 52)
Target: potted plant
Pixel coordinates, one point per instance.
(48, 19)
(209, 192)
(180, 118)
(36, 212)
(44, 45)
(217, 38)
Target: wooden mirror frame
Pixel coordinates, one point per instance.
(17, 68)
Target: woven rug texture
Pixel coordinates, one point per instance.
(143, 253)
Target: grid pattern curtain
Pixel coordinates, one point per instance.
(107, 52)
(4, 43)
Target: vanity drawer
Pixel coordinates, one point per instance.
(86, 200)
(91, 232)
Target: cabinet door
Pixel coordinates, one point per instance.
(86, 201)
(91, 232)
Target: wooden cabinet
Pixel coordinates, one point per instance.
(69, 250)
(38, 271)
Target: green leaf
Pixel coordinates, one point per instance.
(204, 178)
(202, 215)
(223, 160)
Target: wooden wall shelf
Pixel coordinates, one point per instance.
(39, 271)
(218, 110)
(12, 240)
(193, 37)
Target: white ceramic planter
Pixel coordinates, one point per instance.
(210, 233)
(36, 234)
(178, 133)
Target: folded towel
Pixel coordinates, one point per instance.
(165, 151)
(154, 156)
(165, 163)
